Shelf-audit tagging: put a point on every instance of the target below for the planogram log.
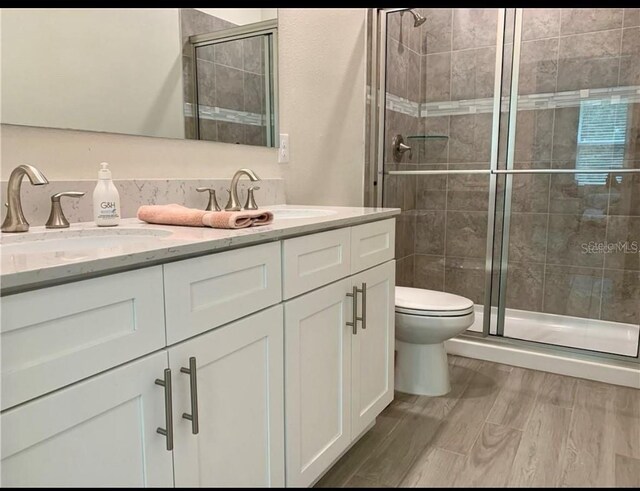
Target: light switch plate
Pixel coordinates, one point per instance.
(283, 151)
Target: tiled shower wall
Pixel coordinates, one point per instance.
(442, 231)
(231, 85)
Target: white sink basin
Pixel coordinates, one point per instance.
(76, 240)
(296, 213)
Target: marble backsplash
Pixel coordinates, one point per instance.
(36, 200)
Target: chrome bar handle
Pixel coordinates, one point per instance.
(193, 384)
(168, 410)
(364, 305)
(354, 307)
(354, 310)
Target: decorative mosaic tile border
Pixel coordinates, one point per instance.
(551, 100)
(227, 115)
(402, 105)
(612, 95)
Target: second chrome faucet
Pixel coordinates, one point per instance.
(234, 202)
(15, 220)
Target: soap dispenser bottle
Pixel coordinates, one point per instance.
(106, 200)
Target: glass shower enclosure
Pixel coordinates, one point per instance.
(510, 139)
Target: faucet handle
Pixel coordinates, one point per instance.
(70, 194)
(56, 217)
(230, 206)
(213, 202)
(251, 202)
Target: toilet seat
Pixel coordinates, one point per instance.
(431, 303)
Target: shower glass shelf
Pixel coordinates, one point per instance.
(427, 137)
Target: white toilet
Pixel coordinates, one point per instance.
(425, 319)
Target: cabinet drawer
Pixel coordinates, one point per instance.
(315, 260)
(372, 244)
(209, 291)
(55, 336)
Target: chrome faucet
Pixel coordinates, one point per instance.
(234, 202)
(15, 220)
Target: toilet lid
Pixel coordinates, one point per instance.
(418, 301)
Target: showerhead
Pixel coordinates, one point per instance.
(418, 19)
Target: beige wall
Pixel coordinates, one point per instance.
(242, 16)
(322, 92)
(67, 154)
(322, 103)
(110, 70)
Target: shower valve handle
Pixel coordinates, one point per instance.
(399, 148)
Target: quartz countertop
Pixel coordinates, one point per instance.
(26, 268)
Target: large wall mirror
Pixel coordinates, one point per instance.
(143, 72)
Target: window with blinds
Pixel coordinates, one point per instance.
(602, 131)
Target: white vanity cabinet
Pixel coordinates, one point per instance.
(372, 348)
(98, 432)
(338, 377)
(236, 394)
(317, 381)
(270, 380)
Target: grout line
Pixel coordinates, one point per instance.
(458, 399)
(448, 163)
(620, 50)
(204, 60)
(565, 450)
(562, 36)
(373, 450)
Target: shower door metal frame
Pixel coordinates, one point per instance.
(374, 131)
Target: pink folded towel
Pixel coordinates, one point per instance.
(237, 219)
(175, 214)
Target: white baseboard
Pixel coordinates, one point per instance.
(546, 362)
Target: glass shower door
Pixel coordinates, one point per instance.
(510, 142)
(442, 75)
(570, 265)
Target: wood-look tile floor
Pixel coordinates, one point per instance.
(500, 426)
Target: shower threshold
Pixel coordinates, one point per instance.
(561, 330)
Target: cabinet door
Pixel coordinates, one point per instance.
(317, 381)
(240, 405)
(372, 348)
(99, 432)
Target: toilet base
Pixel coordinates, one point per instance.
(421, 369)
